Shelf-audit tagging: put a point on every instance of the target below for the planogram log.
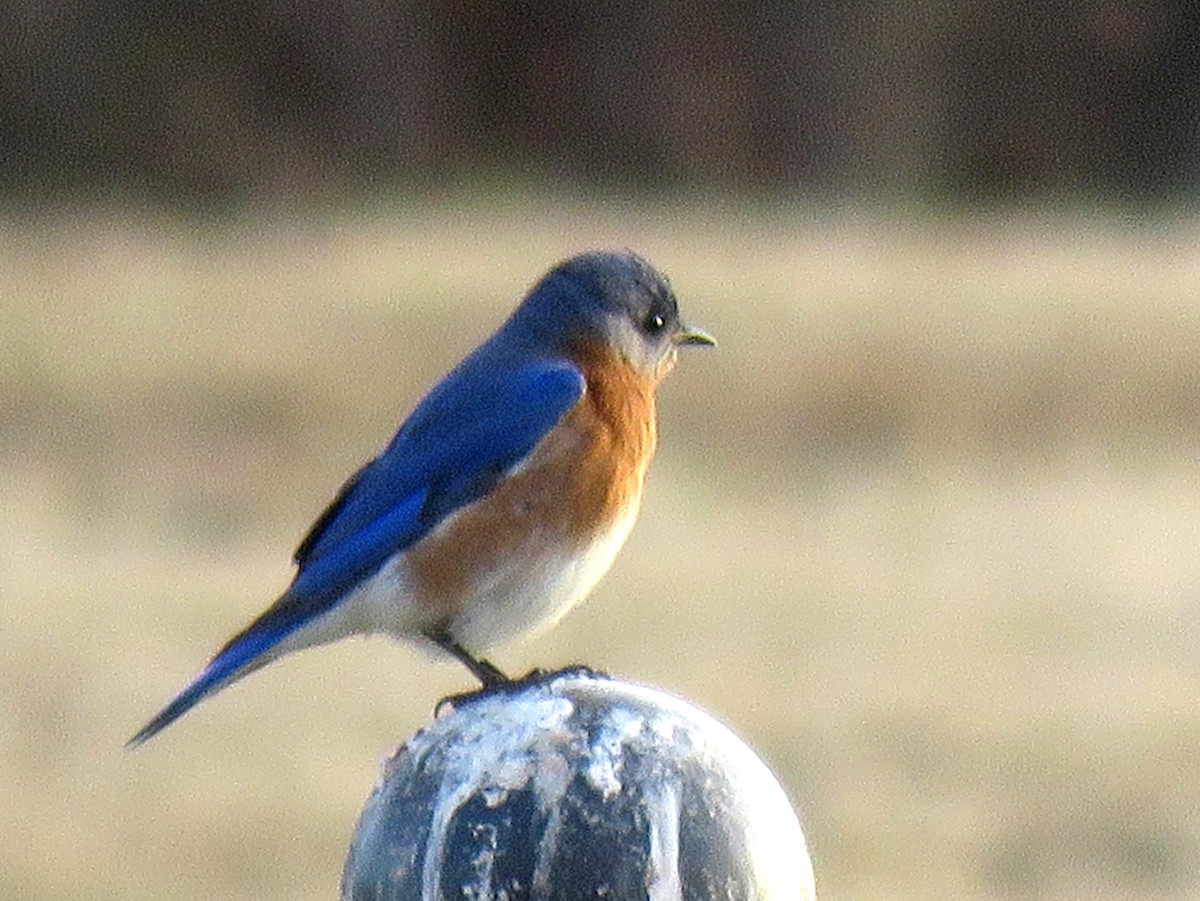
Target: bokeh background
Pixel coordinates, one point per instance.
(924, 529)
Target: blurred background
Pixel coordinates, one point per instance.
(923, 529)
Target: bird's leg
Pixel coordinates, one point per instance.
(488, 674)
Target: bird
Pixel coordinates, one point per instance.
(505, 494)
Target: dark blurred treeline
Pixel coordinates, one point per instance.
(225, 100)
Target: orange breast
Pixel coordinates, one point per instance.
(582, 478)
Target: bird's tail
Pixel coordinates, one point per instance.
(245, 653)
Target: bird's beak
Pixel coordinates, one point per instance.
(687, 335)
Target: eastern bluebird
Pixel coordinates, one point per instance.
(504, 496)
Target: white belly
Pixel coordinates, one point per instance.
(533, 589)
(536, 590)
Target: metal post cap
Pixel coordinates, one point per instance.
(576, 786)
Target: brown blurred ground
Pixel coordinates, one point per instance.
(924, 530)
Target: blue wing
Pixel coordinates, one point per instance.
(455, 447)
(471, 430)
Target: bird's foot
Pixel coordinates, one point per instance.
(536, 676)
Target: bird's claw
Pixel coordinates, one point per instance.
(535, 676)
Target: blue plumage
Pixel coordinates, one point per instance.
(455, 458)
(438, 461)
(469, 434)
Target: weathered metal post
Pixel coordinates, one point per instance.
(574, 787)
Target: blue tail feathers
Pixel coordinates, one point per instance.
(244, 654)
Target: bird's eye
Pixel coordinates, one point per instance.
(654, 323)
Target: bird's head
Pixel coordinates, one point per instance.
(616, 300)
